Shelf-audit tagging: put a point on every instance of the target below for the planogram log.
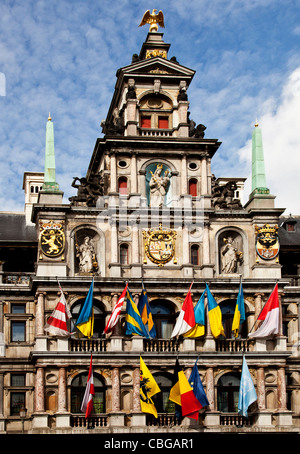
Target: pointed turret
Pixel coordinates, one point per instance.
(260, 196)
(50, 184)
(50, 192)
(258, 163)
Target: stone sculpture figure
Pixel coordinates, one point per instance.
(87, 256)
(230, 256)
(158, 186)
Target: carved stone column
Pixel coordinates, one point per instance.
(138, 418)
(116, 416)
(62, 389)
(264, 416)
(39, 314)
(115, 269)
(183, 175)
(281, 387)
(204, 186)
(207, 266)
(260, 343)
(212, 416)
(40, 417)
(133, 175)
(284, 416)
(62, 415)
(261, 392)
(113, 173)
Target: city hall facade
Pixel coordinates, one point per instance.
(149, 212)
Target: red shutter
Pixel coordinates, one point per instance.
(163, 123)
(123, 186)
(193, 188)
(146, 122)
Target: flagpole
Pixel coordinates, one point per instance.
(263, 306)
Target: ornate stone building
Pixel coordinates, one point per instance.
(148, 212)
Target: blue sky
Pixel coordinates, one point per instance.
(62, 57)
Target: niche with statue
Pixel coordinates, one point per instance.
(86, 252)
(230, 247)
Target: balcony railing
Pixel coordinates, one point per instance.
(88, 345)
(233, 419)
(234, 345)
(93, 422)
(156, 132)
(161, 345)
(16, 278)
(163, 419)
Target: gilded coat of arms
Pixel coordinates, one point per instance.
(160, 245)
(267, 242)
(52, 238)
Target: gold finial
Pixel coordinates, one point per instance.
(153, 19)
(49, 118)
(256, 123)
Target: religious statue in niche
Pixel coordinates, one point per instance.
(231, 257)
(86, 254)
(159, 185)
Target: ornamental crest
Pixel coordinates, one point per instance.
(160, 245)
(52, 238)
(267, 242)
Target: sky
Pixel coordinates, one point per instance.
(62, 56)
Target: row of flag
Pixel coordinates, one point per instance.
(187, 394)
(190, 321)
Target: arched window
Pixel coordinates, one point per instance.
(161, 400)
(123, 185)
(228, 392)
(163, 317)
(195, 254)
(193, 187)
(78, 387)
(124, 254)
(99, 316)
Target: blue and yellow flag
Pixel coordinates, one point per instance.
(214, 315)
(199, 311)
(145, 312)
(133, 320)
(85, 321)
(239, 313)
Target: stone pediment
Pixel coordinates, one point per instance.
(157, 65)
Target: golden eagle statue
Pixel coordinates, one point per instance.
(153, 19)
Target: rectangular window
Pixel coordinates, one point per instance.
(18, 308)
(194, 255)
(17, 331)
(17, 380)
(17, 401)
(290, 227)
(145, 122)
(163, 122)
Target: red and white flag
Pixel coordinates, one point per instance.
(87, 401)
(270, 317)
(57, 322)
(113, 319)
(186, 318)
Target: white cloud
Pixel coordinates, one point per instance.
(279, 122)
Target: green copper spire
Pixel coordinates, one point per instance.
(50, 184)
(258, 163)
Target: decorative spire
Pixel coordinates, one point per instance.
(50, 184)
(258, 163)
